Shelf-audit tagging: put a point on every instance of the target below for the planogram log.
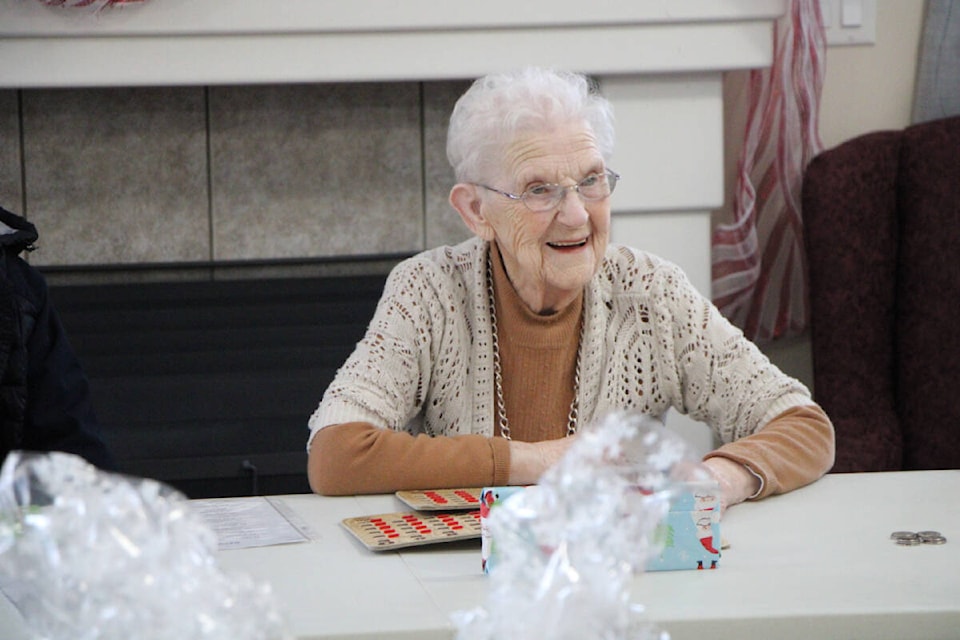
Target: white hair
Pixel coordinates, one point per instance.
(491, 113)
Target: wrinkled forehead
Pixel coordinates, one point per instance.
(561, 153)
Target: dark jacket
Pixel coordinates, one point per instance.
(44, 393)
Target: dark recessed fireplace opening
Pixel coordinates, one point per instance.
(204, 376)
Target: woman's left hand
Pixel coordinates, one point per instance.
(736, 482)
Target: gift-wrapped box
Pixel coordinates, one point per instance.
(688, 537)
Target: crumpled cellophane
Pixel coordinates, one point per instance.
(91, 555)
(569, 547)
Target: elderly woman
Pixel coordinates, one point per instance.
(483, 359)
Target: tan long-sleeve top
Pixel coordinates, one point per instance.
(790, 443)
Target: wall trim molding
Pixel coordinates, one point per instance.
(203, 42)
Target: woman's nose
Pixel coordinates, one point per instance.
(572, 210)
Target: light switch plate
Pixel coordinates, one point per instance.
(837, 12)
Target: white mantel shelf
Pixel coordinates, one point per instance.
(211, 42)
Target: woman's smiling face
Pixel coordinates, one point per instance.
(549, 256)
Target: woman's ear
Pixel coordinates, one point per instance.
(465, 198)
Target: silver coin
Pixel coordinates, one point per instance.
(903, 535)
(929, 534)
(908, 542)
(933, 540)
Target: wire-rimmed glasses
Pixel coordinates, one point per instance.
(546, 197)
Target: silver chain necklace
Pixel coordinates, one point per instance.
(498, 371)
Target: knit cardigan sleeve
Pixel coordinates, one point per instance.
(420, 366)
(688, 357)
(708, 369)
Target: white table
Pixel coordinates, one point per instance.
(815, 563)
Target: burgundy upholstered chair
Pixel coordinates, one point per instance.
(882, 226)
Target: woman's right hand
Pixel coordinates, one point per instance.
(528, 460)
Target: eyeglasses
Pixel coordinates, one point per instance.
(545, 197)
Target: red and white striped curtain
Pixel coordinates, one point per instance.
(759, 265)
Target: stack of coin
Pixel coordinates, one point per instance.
(931, 537)
(912, 538)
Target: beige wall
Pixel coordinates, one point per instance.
(866, 88)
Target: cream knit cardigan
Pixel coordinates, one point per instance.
(651, 342)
